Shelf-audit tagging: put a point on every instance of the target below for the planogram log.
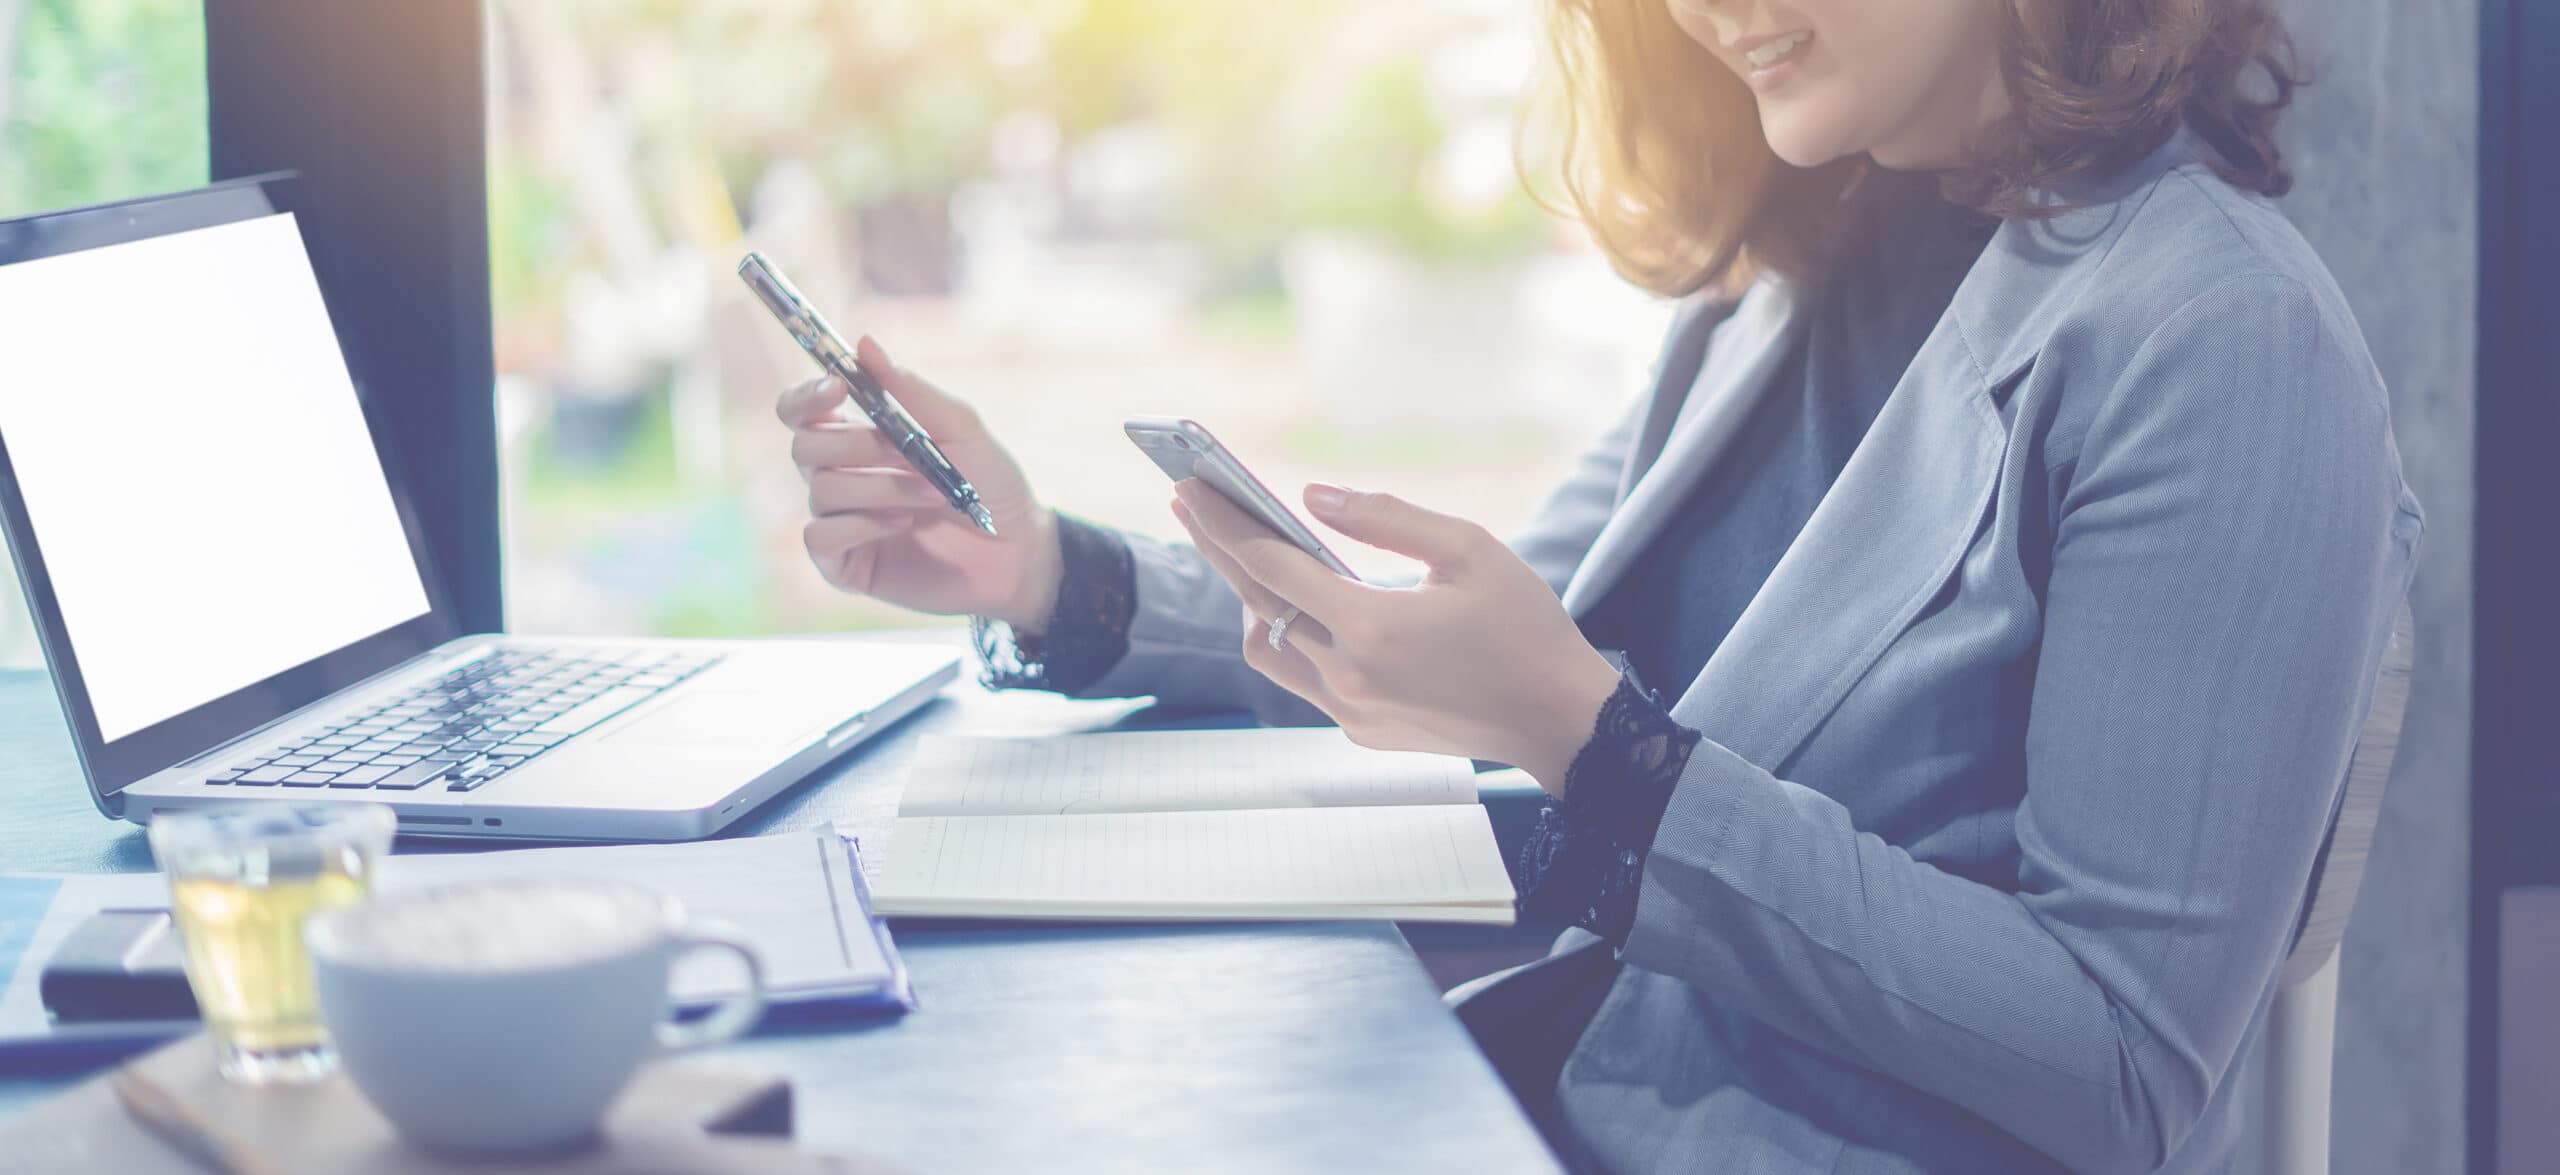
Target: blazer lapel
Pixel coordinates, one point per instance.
(1684, 353)
(1751, 347)
(1884, 539)
(1908, 505)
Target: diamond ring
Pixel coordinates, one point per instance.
(1279, 635)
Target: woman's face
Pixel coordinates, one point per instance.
(1908, 82)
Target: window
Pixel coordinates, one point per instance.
(1298, 223)
(99, 100)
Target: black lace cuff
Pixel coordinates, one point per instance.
(1089, 631)
(1584, 861)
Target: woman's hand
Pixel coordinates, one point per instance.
(1479, 659)
(877, 527)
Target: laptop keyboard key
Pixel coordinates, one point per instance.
(412, 777)
(469, 726)
(472, 775)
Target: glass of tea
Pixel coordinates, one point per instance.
(241, 881)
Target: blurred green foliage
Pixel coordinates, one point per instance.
(1283, 117)
(531, 229)
(1286, 130)
(99, 100)
(1367, 177)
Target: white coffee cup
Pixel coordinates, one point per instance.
(504, 1017)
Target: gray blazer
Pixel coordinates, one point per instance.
(2014, 770)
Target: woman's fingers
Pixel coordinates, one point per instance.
(1259, 602)
(811, 402)
(1307, 662)
(841, 446)
(1298, 665)
(842, 491)
(837, 533)
(844, 546)
(1390, 523)
(1289, 666)
(946, 416)
(1310, 665)
(1264, 557)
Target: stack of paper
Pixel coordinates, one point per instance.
(1196, 825)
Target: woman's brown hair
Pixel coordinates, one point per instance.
(1662, 156)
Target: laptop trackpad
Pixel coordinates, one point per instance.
(736, 721)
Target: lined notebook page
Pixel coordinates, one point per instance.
(1293, 862)
(1172, 771)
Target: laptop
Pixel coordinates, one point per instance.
(233, 595)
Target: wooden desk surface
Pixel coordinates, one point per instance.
(1236, 1048)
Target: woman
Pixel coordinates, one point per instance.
(1942, 678)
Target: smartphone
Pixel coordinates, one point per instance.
(1183, 449)
(117, 965)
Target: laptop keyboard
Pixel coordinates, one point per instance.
(474, 724)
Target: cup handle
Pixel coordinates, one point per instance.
(735, 1015)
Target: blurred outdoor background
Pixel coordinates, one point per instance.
(99, 100)
(1298, 223)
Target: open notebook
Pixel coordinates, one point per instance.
(1196, 825)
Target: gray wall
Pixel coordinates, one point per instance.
(2385, 147)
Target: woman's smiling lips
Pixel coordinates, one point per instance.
(1768, 60)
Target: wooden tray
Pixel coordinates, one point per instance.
(169, 1111)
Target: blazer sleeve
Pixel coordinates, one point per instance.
(2228, 554)
(1186, 638)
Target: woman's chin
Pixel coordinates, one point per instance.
(1802, 141)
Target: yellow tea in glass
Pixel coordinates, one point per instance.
(242, 880)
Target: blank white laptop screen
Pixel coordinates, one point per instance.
(195, 466)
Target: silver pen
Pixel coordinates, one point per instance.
(836, 357)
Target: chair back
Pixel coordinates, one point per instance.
(2339, 868)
